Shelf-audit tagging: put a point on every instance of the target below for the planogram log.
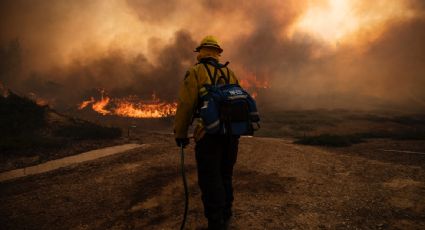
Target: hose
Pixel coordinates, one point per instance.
(186, 192)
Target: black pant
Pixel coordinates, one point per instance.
(215, 156)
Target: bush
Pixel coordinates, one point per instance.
(330, 140)
(23, 143)
(347, 140)
(409, 135)
(410, 120)
(20, 115)
(25, 130)
(86, 130)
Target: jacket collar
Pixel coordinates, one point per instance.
(212, 61)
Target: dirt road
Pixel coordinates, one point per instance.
(278, 185)
(66, 161)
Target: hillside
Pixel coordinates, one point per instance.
(33, 133)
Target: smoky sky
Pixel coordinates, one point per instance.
(64, 51)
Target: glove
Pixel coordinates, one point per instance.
(182, 142)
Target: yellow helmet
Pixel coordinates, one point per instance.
(209, 41)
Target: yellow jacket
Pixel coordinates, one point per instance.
(196, 77)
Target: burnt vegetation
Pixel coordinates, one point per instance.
(28, 128)
(20, 114)
(330, 140)
(341, 128)
(82, 130)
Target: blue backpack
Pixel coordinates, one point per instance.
(227, 109)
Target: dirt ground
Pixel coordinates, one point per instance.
(278, 185)
(36, 156)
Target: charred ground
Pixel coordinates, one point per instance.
(278, 184)
(32, 133)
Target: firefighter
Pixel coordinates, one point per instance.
(215, 154)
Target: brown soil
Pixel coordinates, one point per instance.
(278, 185)
(72, 147)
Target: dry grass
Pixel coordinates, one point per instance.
(341, 127)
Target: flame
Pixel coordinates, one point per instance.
(131, 106)
(252, 82)
(99, 106)
(86, 103)
(39, 100)
(140, 110)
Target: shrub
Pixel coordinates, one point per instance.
(330, 140)
(86, 130)
(24, 143)
(20, 114)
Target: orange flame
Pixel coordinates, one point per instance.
(140, 110)
(251, 82)
(254, 84)
(86, 103)
(39, 100)
(99, 106)
(131, 107)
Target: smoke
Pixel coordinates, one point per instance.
(65, 51)
(118, 73)
(376, 69)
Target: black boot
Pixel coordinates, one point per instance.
(227, 217)
(216, 223)
(212, 225)
(227, 223)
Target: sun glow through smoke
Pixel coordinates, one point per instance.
(334, 21)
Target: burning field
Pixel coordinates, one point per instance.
(291, 54)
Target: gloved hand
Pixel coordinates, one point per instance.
(182, 141)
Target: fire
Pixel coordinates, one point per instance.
(252, 83)
(140, 110)
(130, 106)
(39, 100)
(86, 103)
(99, 106)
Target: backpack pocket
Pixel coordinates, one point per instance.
(210, 117)
(235, 117)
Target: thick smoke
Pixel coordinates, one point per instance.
(65, 51)
(386, 73)
(118, 74)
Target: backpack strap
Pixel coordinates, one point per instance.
(215, 76)
(226, 79)
(228, 73)
(212, 79)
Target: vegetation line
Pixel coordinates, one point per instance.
(401, 151)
